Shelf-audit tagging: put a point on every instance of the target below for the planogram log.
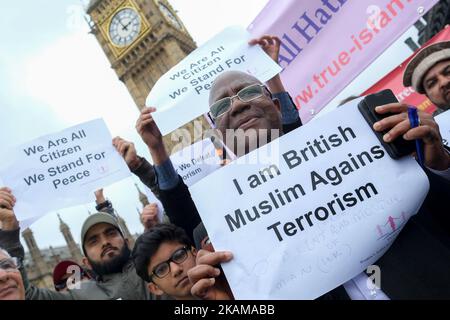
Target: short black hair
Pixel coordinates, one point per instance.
(149, 242)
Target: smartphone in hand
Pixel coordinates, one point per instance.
(397, 148)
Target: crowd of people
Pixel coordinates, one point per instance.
(175, 259)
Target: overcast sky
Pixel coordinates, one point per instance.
(54, 75)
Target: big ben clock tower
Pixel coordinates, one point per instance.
(142, 39)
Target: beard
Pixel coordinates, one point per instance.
(115, 265)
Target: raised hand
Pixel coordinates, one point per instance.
(270, 45)
(149, 216)
(128, 152)
(99, 196)
(7, 217)
(150, 134)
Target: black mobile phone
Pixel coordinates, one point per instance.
(397, 148)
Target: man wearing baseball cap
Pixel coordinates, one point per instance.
(106, 253)
(429, 73)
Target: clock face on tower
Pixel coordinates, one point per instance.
(170, 16)
(125, 27)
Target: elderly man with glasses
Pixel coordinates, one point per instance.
(11, 283)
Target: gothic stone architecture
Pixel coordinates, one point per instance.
(143, 39)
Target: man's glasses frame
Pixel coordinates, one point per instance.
(215, 114)
(173, 258)
(10, 264)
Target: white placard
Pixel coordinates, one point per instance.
(196, 161)
(192, 163)
(443, 120)
(182, 93)
(331, 203)
(62, 169)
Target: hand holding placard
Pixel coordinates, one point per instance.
(149, 132)
(208, 280)
(7, 217)
(128, 152)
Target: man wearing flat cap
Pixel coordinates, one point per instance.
(429, 73)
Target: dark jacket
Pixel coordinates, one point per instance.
(417, 266)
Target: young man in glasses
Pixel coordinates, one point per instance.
(11, 283)
(162, 256)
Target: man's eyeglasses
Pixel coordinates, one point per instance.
(246, 94)
(163, 269)
(9, 264)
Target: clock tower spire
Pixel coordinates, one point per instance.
(142, 39)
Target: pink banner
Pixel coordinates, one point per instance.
(327, 43)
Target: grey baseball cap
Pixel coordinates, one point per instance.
(422, 62)
(94, 219)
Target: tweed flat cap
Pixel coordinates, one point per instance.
(423, 61)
